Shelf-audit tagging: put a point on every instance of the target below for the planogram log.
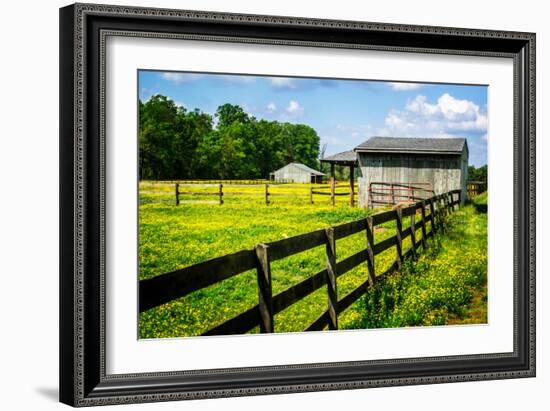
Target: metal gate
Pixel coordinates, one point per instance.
(386, 193)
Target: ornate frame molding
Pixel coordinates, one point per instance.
(82, 314)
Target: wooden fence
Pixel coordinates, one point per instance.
(167, 287)
(218, 191)
(475, 188)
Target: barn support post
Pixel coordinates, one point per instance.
(331, 280)
(332, 189)
(265, 293)
(351, 188)
(177, 194)
(332, 182)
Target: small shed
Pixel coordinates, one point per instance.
(347, 159)
(296, 173)
(398, 169)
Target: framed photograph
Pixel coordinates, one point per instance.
(262, 204)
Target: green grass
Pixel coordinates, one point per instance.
(175, 237)
(445, 285)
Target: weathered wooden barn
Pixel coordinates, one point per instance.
(296, 173)
(405, 169)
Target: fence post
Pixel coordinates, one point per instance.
(392, 193)
(265, 300)
(332, 191)
(351, 187)
(220, 193)
(331, 280)
(423, 216)
(399, 235)
(370, 252)
(413, 232)
(177, 194)
(432, 215)
(311, 195)
(267, 194)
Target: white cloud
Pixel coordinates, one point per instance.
(404, 86)
(294, 108)
(271, 107)
(180, 104)
(447, 116)
(283, 83)
(180, 78)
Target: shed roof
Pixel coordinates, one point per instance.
(412, 145)
(345, 157)
(304, 168)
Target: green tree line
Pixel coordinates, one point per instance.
(477, 174)
(175, 143)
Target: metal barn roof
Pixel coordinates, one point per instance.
(345, 157)
(412, 145)
(304, 168)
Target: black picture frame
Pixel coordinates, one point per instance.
(83, 381)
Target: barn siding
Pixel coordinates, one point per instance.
(291, 173)
(445, 172)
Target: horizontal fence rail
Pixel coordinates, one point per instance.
(218, 191)
(170, 286)
(389, 193)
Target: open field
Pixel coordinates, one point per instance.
(243, 192)
(175, 237)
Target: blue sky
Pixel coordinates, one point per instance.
(343, 112)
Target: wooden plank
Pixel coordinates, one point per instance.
(347, 229)
(384, 217)
(370, 250)
(297, 244)
(320, 323)
(331, 280)
(265, 297)
(299, 291)
(285, 195)
(351, 262)
(405, 233)
(353, 296)
(239, 324)
(399, 238)
(330, 194)
(384, 244)
(195, 193)
(167, 287)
